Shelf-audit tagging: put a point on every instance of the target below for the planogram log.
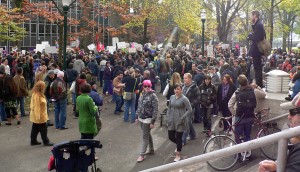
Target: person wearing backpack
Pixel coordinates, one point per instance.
(245, 101)
(207, 99)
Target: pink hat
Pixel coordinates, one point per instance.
(147, 83)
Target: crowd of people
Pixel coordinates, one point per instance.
(197, 88)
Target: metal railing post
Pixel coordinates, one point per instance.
(282, 155)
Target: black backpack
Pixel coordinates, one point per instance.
(246, 102)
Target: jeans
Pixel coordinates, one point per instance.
(119, 102)
(147, 138)
(107, 87)
(60, 113)
(130, 104)
(243, 128)
(20, 101)
(176, 137)
(2, 111)
(191, 132)
(101, 78)
(163, 81)
(207, 118)
(198, 114)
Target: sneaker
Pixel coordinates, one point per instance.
(150, 152)
(140, 159)
(64, 128)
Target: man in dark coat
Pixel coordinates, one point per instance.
(258, 35)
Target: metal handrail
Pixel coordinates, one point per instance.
(280, 137)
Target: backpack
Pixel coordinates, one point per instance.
(246, 102)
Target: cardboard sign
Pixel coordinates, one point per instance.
(121, 45)
(51, 49)
(111, 49)
(131, 50)
(210, 51)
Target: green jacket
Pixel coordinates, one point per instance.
(87, 110)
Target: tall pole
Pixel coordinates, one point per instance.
(203, 21)
(65, 8)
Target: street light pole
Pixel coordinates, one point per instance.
(203, 18)
(65, 9)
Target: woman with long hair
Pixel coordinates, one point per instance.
(178, 114)
(225, 91)
(169, 89)
(130, 86)
(39, 115)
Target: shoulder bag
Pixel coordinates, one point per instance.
(129, 95)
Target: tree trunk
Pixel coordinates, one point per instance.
(145, 39)
(284, 36)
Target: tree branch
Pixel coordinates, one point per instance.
(59, 10)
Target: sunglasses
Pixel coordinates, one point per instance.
(147, 86)
(294, 112)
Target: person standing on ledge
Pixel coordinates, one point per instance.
(256, 36)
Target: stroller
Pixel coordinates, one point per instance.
(74, 156)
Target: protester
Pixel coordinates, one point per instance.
(146, 115)
(39, 115)
(58, 91)
(293, 157)
(107, 76)
(178, 114)
(258, 35)
(208, 96)
(224, 93)
(22, 91)
(169, 89)
(118, 92)
(87, 111)
(130, 86)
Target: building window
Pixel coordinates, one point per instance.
(33, 28)
(41, 28)
(27, 27)
(54, 28)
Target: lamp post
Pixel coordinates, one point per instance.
(203, 18)
(66, 6)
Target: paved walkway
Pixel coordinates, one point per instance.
(121, 144)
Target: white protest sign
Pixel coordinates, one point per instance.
(138, 46)
(39, 47)
(1, 50)
(51, 49)
(115, 40)
(111, 49)
(225, 46)
(45, 43)
(91, 47)
(23, 52)
(187, 46)
(15, 48)
(131, 50)
(121, 45)
(210, 51)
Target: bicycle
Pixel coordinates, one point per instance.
(221, 141)
(164, 113)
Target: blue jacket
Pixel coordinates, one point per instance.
(96, 98)
(71, 75)
(296, 88)
(93, 66)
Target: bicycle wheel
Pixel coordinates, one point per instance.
(269, 151)
(217, 143)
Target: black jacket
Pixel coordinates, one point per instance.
(258, 35)
(223, 104)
